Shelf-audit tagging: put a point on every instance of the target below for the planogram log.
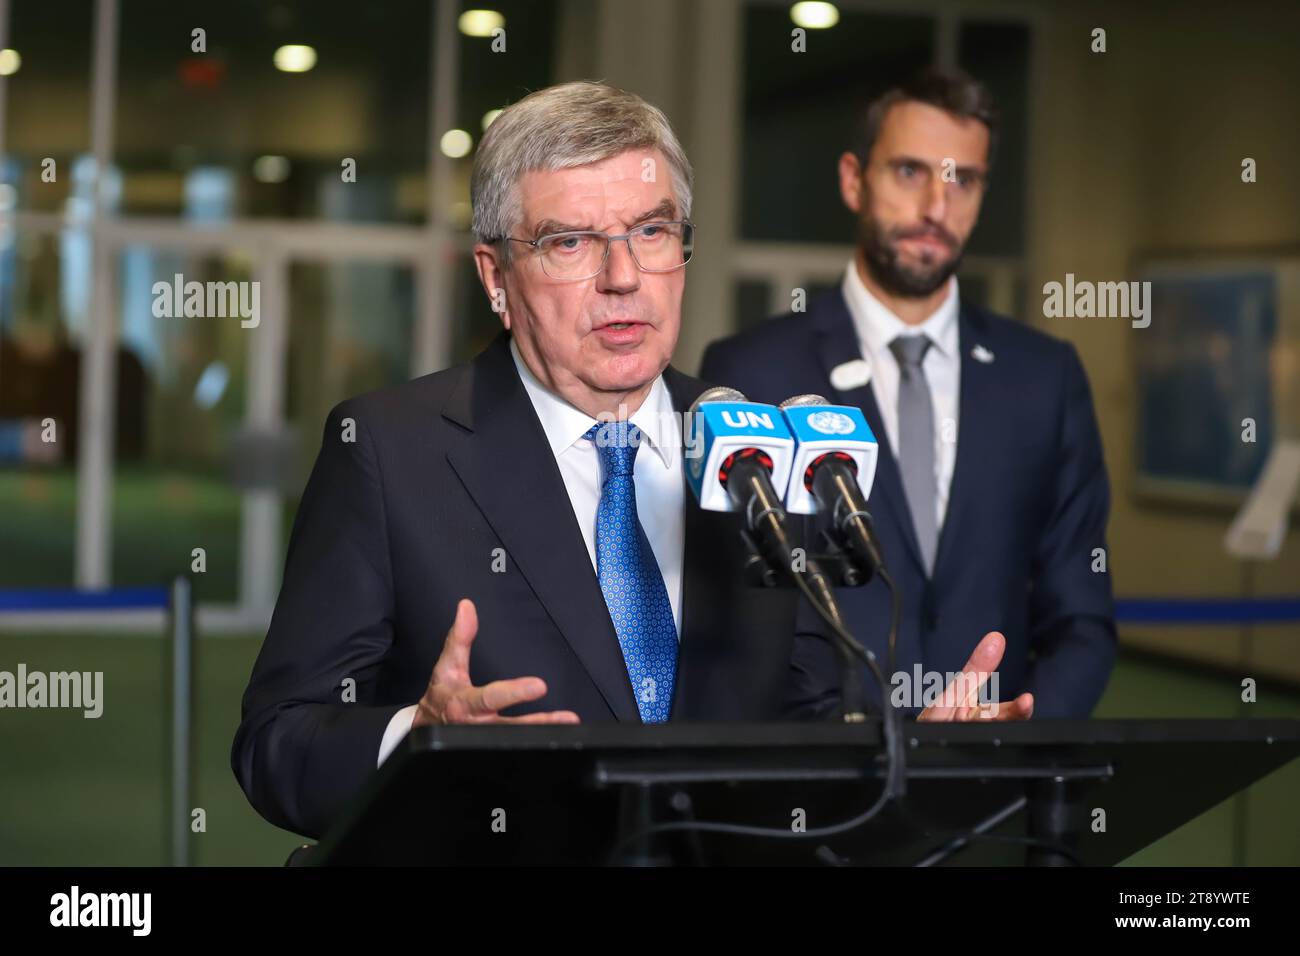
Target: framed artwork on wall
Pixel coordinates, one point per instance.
(1218, 373)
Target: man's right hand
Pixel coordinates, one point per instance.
(451, 699)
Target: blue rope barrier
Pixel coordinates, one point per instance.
(1205, 612)
(63, 599)
(1165, 611)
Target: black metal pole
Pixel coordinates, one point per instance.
(180, 681)
(1052, 822)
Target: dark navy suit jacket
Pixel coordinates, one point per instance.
(399, 524)
(1027, 507)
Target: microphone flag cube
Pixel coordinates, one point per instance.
(819, 430)
(718, 430)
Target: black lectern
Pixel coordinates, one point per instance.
(1040, 792)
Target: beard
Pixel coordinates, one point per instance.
(879, 246)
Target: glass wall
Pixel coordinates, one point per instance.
(240, 131)
(39, 394)
(281, 134)
(181, 398)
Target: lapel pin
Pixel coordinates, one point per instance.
(980, 354)
(850, 375)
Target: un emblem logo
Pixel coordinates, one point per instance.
(830, 423)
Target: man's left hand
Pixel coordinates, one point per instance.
(960, 700)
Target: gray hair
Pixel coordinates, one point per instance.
(560, 127)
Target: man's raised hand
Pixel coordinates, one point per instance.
(960, 700)
(451, 699)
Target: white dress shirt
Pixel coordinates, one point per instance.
(657, 475)
(876, 327)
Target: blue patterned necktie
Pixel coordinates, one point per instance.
(629, 575)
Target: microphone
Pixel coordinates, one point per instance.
(833, 469)
(742, 454)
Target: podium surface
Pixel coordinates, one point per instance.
(1089, 792)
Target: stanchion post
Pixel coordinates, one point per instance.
(180, 680)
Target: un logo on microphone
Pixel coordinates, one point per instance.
(830, 423)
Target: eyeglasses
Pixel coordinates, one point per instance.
(655, 247)
(911, 175)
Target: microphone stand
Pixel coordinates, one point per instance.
(853, 707)
(765, 519)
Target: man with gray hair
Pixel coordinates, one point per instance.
(533, 499)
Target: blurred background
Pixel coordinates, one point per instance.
(133, 148)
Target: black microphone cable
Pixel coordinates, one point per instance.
(891, 724)
(891, 719)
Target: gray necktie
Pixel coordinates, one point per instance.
(916, 442)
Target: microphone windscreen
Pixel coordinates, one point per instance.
(718, 393)
(794, 401)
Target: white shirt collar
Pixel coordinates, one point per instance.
(877, 326)
(565, 425)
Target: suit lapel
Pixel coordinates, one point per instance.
(837, 343)
(697, 592)
(508, 469)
